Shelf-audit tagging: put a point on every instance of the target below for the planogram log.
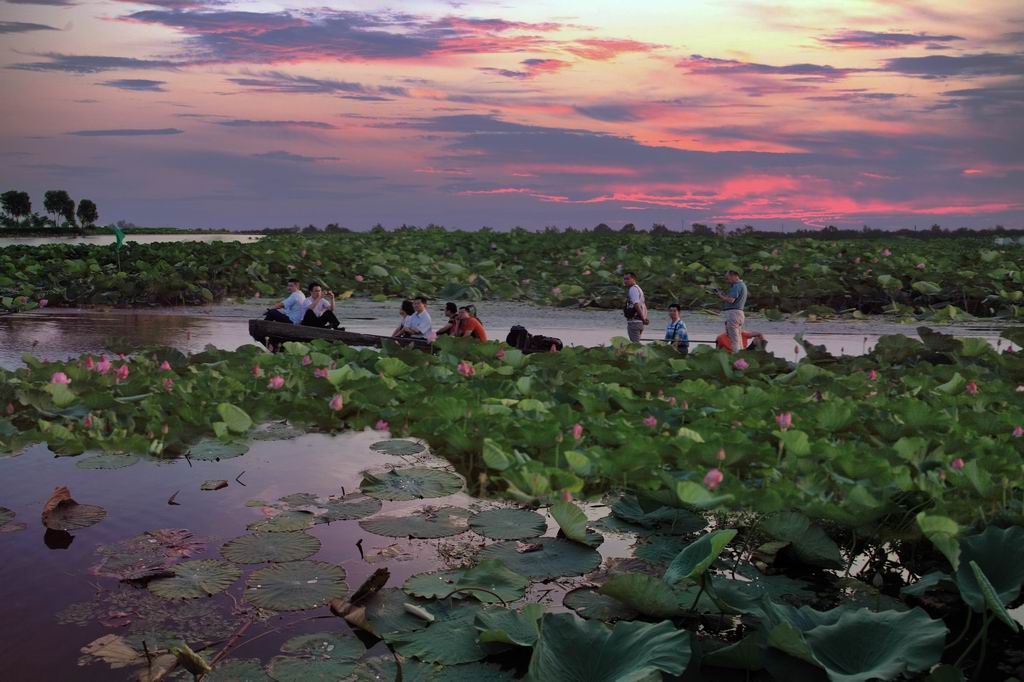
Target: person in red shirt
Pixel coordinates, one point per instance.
(469, 325)
(751, 341)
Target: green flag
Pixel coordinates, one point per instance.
(119, 235)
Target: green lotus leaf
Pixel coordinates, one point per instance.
(386, 614)
(660, 549)
(573, 524)
(646, 594)
(325, 645)
(234, 417)
(425, 523)
(214, 450)
(412, 483)
(570, 650)
(809, 541)
(214, 484)
(295, 585)
(662, 519)
(296, 669)
(448, 642)
(508, 524)
(992, 600)
(945, 673)
(275, 431)
(927, 582)
(505, 626)
(380, 668)
(696, 496)
(999, 554)
(544, 557)
(434, 585)
(285, 522)
(107, 461)
(398, 446)
(698, 556)
(238, 670)
(193, 579)
(774, 586)
(746, 654)
(588, 603)
(495, 577)
(273, 547)
(346, 508)
(944, 533)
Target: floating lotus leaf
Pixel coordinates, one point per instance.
(412, 483)
(505, 626)
(320, 657)
(435, 585)
(214, 450)
(508, 524)
(773, 586)
(386, 614)
(398, 446)
(381, 668)
(667, 520)
(571, 650)
(107, 461)
(660, 549)
(646, 594)
(447, 642)
(809, 542)
(238, 670)
(588, 603)
(272, 547)
(284, 522)
(296, 585)
(325, 645)
(61, 512)
(146, 556)
(275, 431)
(295, 669)
(544, 557)
(348, 508)
(999, 553)
(423, 523)
(214, 484)
(6, 518)
(194, 579)
(494, 577)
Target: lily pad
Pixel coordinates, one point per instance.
(573, 524)
(544, 557)
(272, 547)
(319, 657)
(215, 450)
(660, 549)
(664, 519)
(447, 642)
(434, 585)
(398, 446)
(107, 461)
(7, 524)
(412, 483)
(214, 484)
(571, 650)
(508, 524)
(386, 614)
(347, 508)
(63, 513)
(194, 579)
(237, 670)
(145, 556)
(275, 431)
(381, 668)
(423, 523)
(588, 603)
(296, 585)
(494, 577)
(505, 626)
(284, 522)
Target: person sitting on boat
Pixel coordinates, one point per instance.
(469, 325)
(320, 308)
(751, 340)
(418, 325)
(675, 330)
(451, 311)
(290, 309)
(404, 311)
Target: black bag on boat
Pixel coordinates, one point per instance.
(518, 337)
(544, 344)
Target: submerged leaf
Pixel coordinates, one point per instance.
(146, 556)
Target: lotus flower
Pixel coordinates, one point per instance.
(122, 373)
(257, 371)
(104, 365)
(122, 357)
(566, 496)
(957, 464)
(337, 403)
(165, 366)
(856, 261)
(168, 384)
(577, 431)
(43, 302)
(741, 364)
(320, 372)
(359, 278)
(556, 290)
(713, 478)
(1018, 431)
(721, 455)
(381, 425)
(465, 369)
(919, 266)
(784, 420)
(89, 362)
(500, 354)
(60, 378)
(886, 252)
(276, 382)
(586, 273)
(291, 267)
(872, 375)
(971, 388)
(87, 422)
(306, 360)
(651, 421)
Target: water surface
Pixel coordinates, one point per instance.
(138, 238)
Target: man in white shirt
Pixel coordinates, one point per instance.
(635, 309)
(418, 325)
(293, 307)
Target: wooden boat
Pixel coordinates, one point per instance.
(273, 334)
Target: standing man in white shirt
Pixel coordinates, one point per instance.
(635, 309)
(294, 306)
(418, 325)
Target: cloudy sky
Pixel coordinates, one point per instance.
(217, 113)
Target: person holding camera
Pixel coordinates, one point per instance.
(733, 302)
(320, 308)
(635, 309)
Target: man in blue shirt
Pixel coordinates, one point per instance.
(293, 306)
(675, 330)
(733, 302)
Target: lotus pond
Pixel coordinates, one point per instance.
(616, 513)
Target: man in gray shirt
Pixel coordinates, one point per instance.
(733, 302)
(635, 309)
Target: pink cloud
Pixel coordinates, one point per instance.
(601, 49)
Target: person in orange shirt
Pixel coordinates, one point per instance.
(751, 341)
(469, 325)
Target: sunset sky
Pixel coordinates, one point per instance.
(198, 113)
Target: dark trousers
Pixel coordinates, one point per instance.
(328, 319)
(275, 315)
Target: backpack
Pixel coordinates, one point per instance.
(518, 337)
(544, 344)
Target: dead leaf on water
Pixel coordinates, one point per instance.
(215, 484)
(61, 512)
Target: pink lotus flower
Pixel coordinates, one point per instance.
(566, 496)
(89, 362)
(713, 478)
(741, 364)
(577, 431)
(168, 384)
(60, 378)
(359, 278)
(306, 360)
(122, 357)
(43, 302)
(784, 420)
(957, 464)
(721, 455)
(500, 354)
(651, 421)
(465, 369)
(87, 422)
(337, 403)
(971, 388)
(276, 382)
(291, 267)
(381, 425)
(1018, 431)
(320, 372)
(556, 290)
(872, 375)
(886, 252)
(122, 373)
(257, 371)
(104, 365)
(919, 266)
(165, 366)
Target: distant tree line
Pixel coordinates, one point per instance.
(60, 208)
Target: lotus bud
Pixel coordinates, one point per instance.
(306, 360)
(122, 373)
(1018, 431)
(577, 431)
(721, 455)
(165, 366)
(165, 429)
(741, 364)
(10, 408)
(957, 464)
(168, 384)
(337, 403)
(784, 420)
(359, 278)
(90, 364)
(971, 388)
(104, 365)
(651, 421)
(713, 478)
(43, 302)
(87, 421)
(872, 375)
(381, 425)
(60, 378)
(276, 382)
(500, 354)
(257, 371)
